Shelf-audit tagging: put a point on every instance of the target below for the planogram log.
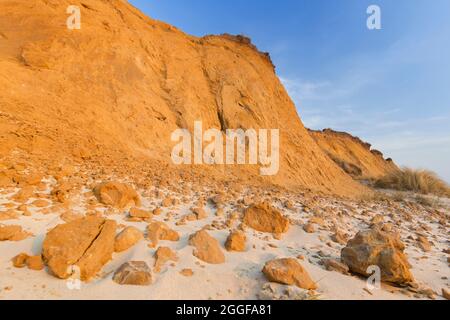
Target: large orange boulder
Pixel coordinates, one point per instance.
(290, 272)
(117, 195)
(87, 243)
(160, 231)
(378, 248)
(207, 248)
(263, 217)
(127, 239)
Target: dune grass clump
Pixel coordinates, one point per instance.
(419, 181)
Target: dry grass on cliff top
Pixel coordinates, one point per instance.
(420, 181)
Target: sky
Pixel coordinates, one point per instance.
(390, 87)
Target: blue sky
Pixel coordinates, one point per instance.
(391, 87)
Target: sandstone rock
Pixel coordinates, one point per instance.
(127, 239)
(288, 271)
(87, 243)
(339, 237)
(207, 248)
(40, 203)
(377, 248)
(168, 202)
(61, 191)
(273, 291)
(35, 263)
(187, 272)
(8, 215)
(20, 261)
(117, 195)
(424, 244)
(334, 265)
(200, 213)
(24, 194)
(378, 219)
(162, 255)
(12, 233)
(136, 273)
(160, 231)
(263, 217)
(446, 293)
(140, 214)
(309, 228)
(236, 241)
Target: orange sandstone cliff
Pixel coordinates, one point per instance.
(354, 156)
(114, 91)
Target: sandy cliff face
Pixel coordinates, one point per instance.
(118, 88)
(354, 156)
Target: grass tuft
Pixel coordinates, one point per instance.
(419, 181)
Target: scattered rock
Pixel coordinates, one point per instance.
(12, 233)
(127, 239)
(200, 213)
(264, 218)
(309, 228)
(274, 291)
(424, 244)
(135, 273)
(87, 243)
(140, 214)
(207, 248)
(288, 271)
(40, 203)
(20, 261)
(187, 272)
(339, 237)
(160, 231)
(35, 263)
(334, 265)
(446, 293)
(236, 241)
(378, 248)
(117, 195)
(162, 255)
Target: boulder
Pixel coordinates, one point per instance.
(160, 231)
(87, 243)
(135, 273)
(117, 195)
(263, 217)
(290, 272)
(140, 214)
(236, 241)
(163, 255)
(127, 239)
(207, 248)
(378, 248)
